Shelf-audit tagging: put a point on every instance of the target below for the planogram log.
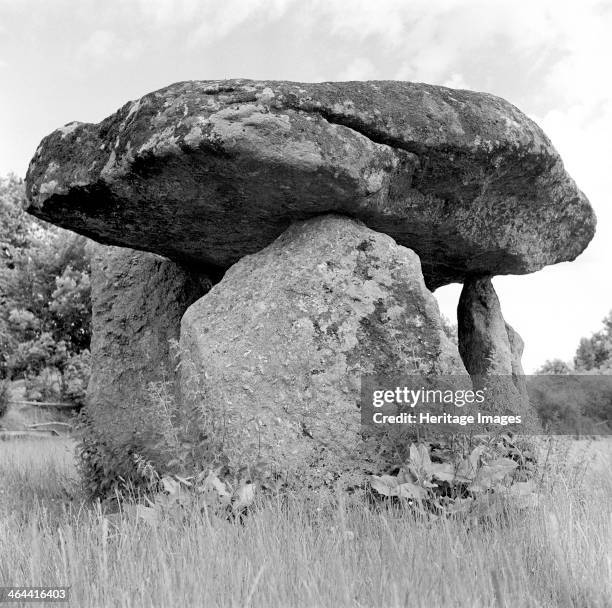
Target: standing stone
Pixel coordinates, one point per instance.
(484, 343)
(491, 349)
(138, 300)
(516, 351)
(280, 345)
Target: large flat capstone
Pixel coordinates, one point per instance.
(207, 172)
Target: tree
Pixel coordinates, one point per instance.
(45, 308)
(595, 353)
(554, 367)
(450, 330)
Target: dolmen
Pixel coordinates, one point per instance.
(262, 246)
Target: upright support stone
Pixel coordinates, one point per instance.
(516, 351)
(138, 300)
(491, 350)
(281, 344)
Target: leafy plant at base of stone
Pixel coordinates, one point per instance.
(498, 474)
(459, 475)
(205, 492)
(175, 465)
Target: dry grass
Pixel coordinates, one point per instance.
(298, 554)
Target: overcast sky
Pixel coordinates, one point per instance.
(63, 60)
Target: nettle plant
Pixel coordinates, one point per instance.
(460, 476)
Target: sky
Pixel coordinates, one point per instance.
(65, 60)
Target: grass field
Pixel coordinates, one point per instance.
(301, 554)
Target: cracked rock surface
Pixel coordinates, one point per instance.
(206, 172)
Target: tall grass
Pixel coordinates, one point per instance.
(298, 553)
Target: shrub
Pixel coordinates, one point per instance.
(44, 386)
(75, 377)
(65, 381)
(580, 404)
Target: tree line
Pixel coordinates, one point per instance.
(45, 307)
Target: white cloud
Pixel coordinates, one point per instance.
(215, 24)
(209, 20)
(3, 63)
(99, 45)
(429, 39)
(456, 81)
(104, 46)
(434, 38)
(169, 12)
(359, 69)
(361, 18)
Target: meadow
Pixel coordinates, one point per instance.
(297, 552)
